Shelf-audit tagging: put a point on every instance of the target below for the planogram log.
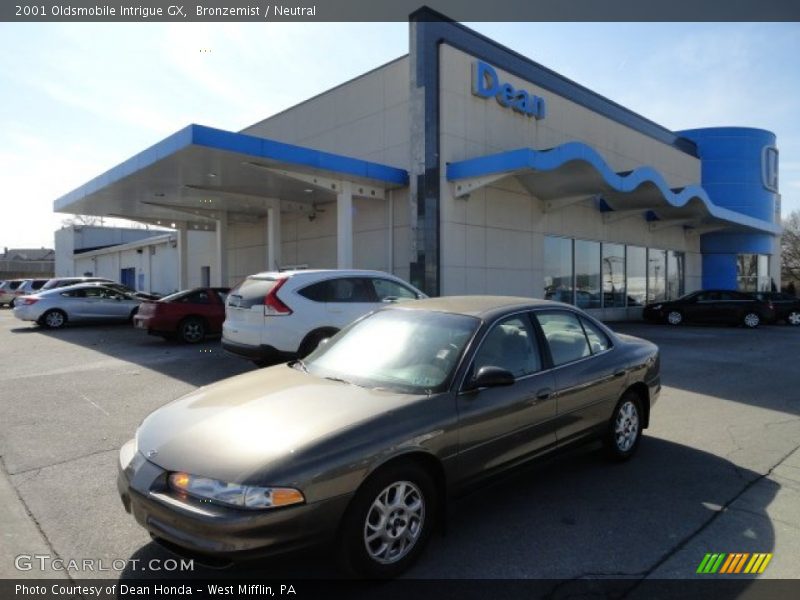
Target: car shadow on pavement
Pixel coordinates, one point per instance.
(197, 364)
(574, 516)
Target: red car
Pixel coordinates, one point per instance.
(190, 315)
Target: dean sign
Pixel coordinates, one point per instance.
(486, 83)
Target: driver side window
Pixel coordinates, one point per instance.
(510, 345)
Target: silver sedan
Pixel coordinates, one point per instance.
(55, 308)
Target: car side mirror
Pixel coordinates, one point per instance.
(323, 342)
(489, 376)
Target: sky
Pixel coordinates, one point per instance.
(77, 99)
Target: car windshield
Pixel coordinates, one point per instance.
(410, 351)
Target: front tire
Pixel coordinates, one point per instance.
(388, 523)
(625, 427)
(674, 317)
(751, 320)
(54, 319)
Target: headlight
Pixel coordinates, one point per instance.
(234, 494)
(657, 307)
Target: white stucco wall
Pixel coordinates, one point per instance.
(157, 261)
(366, 118)
(493, 242)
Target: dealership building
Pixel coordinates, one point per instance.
(466, 168)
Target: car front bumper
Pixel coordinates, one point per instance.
(193, 527)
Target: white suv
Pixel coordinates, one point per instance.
(277, 316)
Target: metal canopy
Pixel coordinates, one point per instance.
(575, 172)
(189, 178)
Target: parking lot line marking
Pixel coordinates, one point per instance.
(97, 406)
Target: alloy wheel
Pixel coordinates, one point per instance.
(54, 319)
(751, 320)
(793, 318)
(394, 522)
(626, 426)
(674, 317)
(192, 331)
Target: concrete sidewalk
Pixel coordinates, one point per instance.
(20, 536)
(765, 517)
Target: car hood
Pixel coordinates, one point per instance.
(233, 429)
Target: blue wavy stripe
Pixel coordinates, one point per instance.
(627, 182)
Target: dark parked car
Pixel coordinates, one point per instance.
(363, 442)
(787, 307)
(711, 306)
(191, 315)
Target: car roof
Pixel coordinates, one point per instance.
(483, 307)
(337, 272)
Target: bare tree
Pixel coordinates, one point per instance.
(79, 220)
(790, 248)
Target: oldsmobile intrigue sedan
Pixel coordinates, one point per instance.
(363, 441)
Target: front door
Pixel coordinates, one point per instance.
(503, 425)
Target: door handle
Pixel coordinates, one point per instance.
(542, 394)
(620, 373)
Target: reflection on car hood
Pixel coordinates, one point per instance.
(233, 429)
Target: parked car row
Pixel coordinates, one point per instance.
(12, 289)
(726, 306)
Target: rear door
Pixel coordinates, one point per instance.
(244, 311)
(349, 298)
(588, 378)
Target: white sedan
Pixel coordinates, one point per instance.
(55, 308)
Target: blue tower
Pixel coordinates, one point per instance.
(739, 172)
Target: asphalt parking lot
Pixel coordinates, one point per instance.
(718, 471)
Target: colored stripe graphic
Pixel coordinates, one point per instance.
(734, 563)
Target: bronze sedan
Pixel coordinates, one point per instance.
(362, 443)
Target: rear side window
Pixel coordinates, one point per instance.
(598, 340)
(200, 297)
(251, 292)
(385, 288)
(564, 335)
(37, 284)
(14, 285)
(345, 289)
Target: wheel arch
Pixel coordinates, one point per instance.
(643, 392)
(324, 331)
(418, 457)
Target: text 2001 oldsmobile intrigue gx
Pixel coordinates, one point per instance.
(363, 441)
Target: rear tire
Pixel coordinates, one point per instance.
(388, 523)
(54, 319)
(11, 304)
(625, 427)
(793, 318)
(751, 320)
(192, 330)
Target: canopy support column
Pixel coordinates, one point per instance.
(274, 236)
(183, 258)
(222, 249)
(344, 226)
